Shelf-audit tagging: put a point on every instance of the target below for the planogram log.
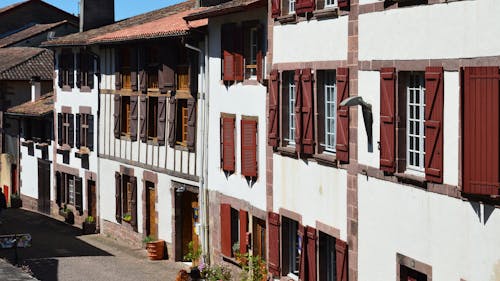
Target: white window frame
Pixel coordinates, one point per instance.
(415, 115)
(291, 6)
(330, 3)
(71, 190)
(330, 91)
(291, 111)
(294, 242)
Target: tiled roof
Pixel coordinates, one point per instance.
(173, 25)
(226, 8)
(84, 38)
(22, 63)
(10, 7)
(42, 106)
(29, 32)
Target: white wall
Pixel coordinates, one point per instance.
(317, 192)
(369, 89)
(309, 41)
(29, 170)
(431, 31)
(239, 99)
(441, 231)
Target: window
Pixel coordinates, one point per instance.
(230, 229)
(289, 95)
(183, 78)
(235, 231)
(66, 68)
(182, 122)
(152, 64)
(259, 237)
(415, 138)
(327, 257)
(249, 165)
(227, 143)
(291, 6)
(329, 3)
(85, 131)
(126, 199)
(65, 129)
(69, 191)
(125, 68)
(125, 115)
(152, 117)
(328, 90)
(292, 246)
(85, 71)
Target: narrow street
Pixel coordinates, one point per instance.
(59, 252)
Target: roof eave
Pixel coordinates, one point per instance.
(225, 11)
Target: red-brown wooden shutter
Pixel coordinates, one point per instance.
(172, 110)
(191, 130)
(78, 132)
(249, 148)
(143, 119)
(387, 119)
(274, 244)
(78, 196)
(342, 146)
(259, 64)
(304, 6)
(60, 129)
(118, 79)
(116, 115)
(228, 160)
(60, 70)
(90, 132)
(228, 66)
(225, 225)
(133, 203)
(118, 197)
(341, 259)
(481, 131)
(162, 118)
(344, 4)
(79, 66)
(434, 114)
(243, 231)
(276, 8)
(133, 69)
(133, 117)
(307, 112)
(71, 131)
(311, 253)
(273, 109)
(298, 112)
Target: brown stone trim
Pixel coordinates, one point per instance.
(187, 186)
(67, 170)
(330, 230)
(413, 264)
(85, 89)
(66, 109)
(85, 110)
(291, 215)
(316, 65)
(91, 176)
(150, 167)
(241, 204)
(421, 64)
(248, 82)
(66, 88)
(128, 171)
(381, 6)
(150, 176)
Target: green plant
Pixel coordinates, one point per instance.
(253, 268)
(236, 249)
(192, 255)
(89, 219)
(127, 217)
(148, 239)
(218, 273)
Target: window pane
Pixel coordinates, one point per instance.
(415, 121)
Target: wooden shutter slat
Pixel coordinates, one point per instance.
(249, 148)
(60, 70)
(481, 135)
(304, 6)
(225, 224)
(273, 109)
(71, 76)
(90, 132)
(90, 70)
(162, 119)
(259, 64)
(133, 200)
(243, 231)
(116, 115)
(143, 118)
(344, 4)
(307, 112)
(311, 253)
(274, 244)
(118, 80)
(133, 69)
(228, 154)
(298, 112)
(276, 8)
(59, 129)
(118, 197)
(191, 130)
(133, 117)
(341, 259)
(434, 117)
(79, 65)
(78, 196)
(171, 121)
(78, 129)
(229, 73)
(387, 120)
(342, 146)
(59, 198)
(71, 133)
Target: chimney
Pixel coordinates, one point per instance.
(96, 13)
(35, 88)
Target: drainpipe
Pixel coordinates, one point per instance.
(204, 152)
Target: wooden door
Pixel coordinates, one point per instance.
(189, 217)
(151, 219)
(44, 186)
(91, 199)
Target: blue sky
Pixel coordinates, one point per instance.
(123, 8)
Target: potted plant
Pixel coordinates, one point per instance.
(253, 268)
(127, 217)
(217, 273)
(68, 215)
(89, 225)
(193, 255)
(155, 247)
(15, 201)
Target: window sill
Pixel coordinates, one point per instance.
(66, 88)
(42, 146)
(288, 151)
(181, 147)
(231, 260)
(411, 179)
(85, 89)
(287, 18)
(327, 12)
(326, 159)
(27, 143)
(64, 149)
(292, 277)
(126, 137)
(82, 153)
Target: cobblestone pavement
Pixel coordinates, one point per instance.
(9, 272)
(60, 253)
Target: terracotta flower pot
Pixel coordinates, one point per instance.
(156, 249)
(88, 228)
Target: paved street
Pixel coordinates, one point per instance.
(60, 253)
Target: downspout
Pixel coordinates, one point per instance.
(204, 151)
